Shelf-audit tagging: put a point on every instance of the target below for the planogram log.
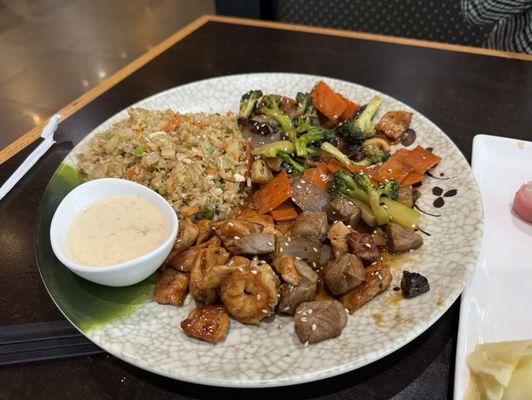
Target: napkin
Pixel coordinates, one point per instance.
(48, 136)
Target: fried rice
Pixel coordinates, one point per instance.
(196, 161)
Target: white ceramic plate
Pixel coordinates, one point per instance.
(496, 304)
(270, 354)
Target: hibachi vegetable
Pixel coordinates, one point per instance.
(248, 102)
(361, 127)
(271, 149)
(388, 189)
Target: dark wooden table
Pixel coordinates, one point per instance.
(464, 91)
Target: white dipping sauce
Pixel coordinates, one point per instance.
(115, 230)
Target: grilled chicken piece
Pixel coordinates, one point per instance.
(255, 243)
(207, 270)
(205, 231)
(338, 237)
(260, 172)
(250, 294)
(239, 262)
(378, 278)
(402, 239)
(363, 245)
(393, 124)
(343, 209)
(261, 222)
(311, 225)
(316, 321)
(183, 262)
(344, 274)
(309, 197)
(379, 237)
(209, 323)
(284, 264)
(188, 233)
(293, 295)
(230, 230)
(171, 286)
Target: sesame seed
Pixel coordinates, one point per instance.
(305, 344)
(298, 258)
(264, 311)
(237, 238)
(231, 224)
(313, 327)
(241, 269)
(286, 308)
(367, 245)
(270, 243)
(310, 311)
(258, 297)
(304, 319)
(315, 249)
(346, 310)
(314, 264)
(280, 326)
(254, 272)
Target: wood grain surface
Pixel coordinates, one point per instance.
(463, 93)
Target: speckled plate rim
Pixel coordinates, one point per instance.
(370, 357)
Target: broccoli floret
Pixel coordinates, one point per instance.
(287, 158)
(388, 189)
(336, 153)
(372, 155)
(361, 127)
(270, 105)
(304, 105)
(248, 102)
(344, 184)
(310, 134)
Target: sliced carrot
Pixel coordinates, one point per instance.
(327, 101)
(187, 212)
(402, 154)
(350, 110)
(319, 176)
(333, 165)
(284, 212)
(273, 194)
(412, 178)
(391, 169)
(173, 123)
(421, 160)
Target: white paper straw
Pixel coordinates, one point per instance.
(48, 136)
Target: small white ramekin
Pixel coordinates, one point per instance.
(123, 274)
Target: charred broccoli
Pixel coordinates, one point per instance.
(270, 106)
(361, 127)
(248, 102)
(305, 107)
(344, 184)
(372, 155)
(388, 189)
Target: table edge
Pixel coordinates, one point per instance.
(33, 134)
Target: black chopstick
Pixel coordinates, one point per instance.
(43, 341)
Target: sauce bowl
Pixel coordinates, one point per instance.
(122, 274)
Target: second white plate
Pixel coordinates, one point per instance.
(495, 304)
